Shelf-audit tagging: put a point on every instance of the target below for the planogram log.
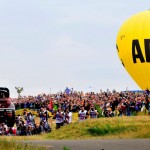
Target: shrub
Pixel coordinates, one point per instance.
(108, 129)
(99, 110)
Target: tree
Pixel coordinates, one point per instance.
(19, 90)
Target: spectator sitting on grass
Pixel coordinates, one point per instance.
(3, 129)
(11, 131)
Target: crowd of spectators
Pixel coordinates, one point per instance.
(62, 105)
(111, 103)
(26, 125)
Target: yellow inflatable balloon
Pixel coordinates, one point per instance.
(133, 47)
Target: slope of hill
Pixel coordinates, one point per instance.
(117, 127)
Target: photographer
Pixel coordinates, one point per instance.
(46, 126)
(21, 128)
(30, 118)
(41, 115)
(59, 118)
(45, 113)
(92, 112)
(29, 129)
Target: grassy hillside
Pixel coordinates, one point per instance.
(101, 128)
(117, 127)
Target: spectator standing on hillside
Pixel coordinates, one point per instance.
(67, 116)
(59, 118)
(92, 112)
(42, 114)
(45, 113)
(83, 114)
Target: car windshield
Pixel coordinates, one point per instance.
(4, 92)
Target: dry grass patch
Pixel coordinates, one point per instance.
(12, 145)
(20, 112)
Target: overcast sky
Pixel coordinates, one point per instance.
(52, 44)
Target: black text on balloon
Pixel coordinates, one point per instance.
(137, 52)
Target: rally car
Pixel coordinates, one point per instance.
(7, 108)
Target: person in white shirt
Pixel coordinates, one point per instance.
(59, 118)
(83, 114)
(68, 116)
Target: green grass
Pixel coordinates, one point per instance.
(12, 145)
(66, 148)
(117, 127)
(100, 128)
(108, 129)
